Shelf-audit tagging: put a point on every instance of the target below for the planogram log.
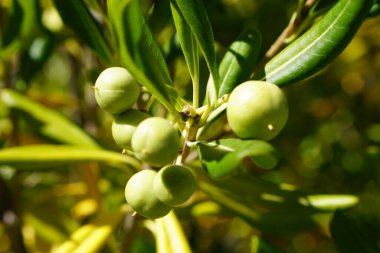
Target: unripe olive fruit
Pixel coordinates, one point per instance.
(174, 185)
(156, 141)
(140, 195)
(116, 90)
(257, 110)
(124, 125)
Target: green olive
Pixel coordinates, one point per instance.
(156, 141)
(174, 185)
(140, 195)
(257, 110)
(116, 90)
(124, 125)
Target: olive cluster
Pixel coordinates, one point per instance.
(153, 140)
(257, 110)
(153, 194)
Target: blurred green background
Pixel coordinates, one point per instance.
(331, 143)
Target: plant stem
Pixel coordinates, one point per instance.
(196, 92)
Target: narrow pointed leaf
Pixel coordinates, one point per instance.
(265, 205)
(77, 16)
(241, 206)
(139, 52)
(239, 60)
(143, 46)
(51, 124)
(223, 157)
(319, 45)
(173, 233)
(46, 156)
(196, 16)
(91, 238)
(332, 201)
(188, 43)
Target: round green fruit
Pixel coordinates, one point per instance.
(124, 125)
(140, 195)
(257, 110)
(174, 185)
(116, 90)
(156, 141)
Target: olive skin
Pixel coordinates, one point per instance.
(156, 141)
(124, 125)
(116, 90)
(174, 185)
(140, 195)
(257, 110)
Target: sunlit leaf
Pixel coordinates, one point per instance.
(169, 230)
(189, 48)
(51, 123)
(139, 52)
(332, 202)
(44, 229)
(319, 45)
(197, 19)
(223, 157)
(90, 238)
(51, 156)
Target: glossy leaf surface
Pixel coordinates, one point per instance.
(49, 122)
(239, 60)
(188, 43)
(223, 157)
(319, 45)
(46, 156)
(139, 52)
(195, 15)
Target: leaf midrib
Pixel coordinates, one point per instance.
(310, 45)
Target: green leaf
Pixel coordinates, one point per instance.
(238, 62)
(31, 21)
(140, 53)
(223, 157)
(77, 16)
(51, 124)
(352, 235)
(332, 201)
(266, 205)
(46, 156)
(190, 50)
(48, 231)
(92, 237)
(143, 46)
(319, 45)
(170, 236)
(196, 17)
(258, 217)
